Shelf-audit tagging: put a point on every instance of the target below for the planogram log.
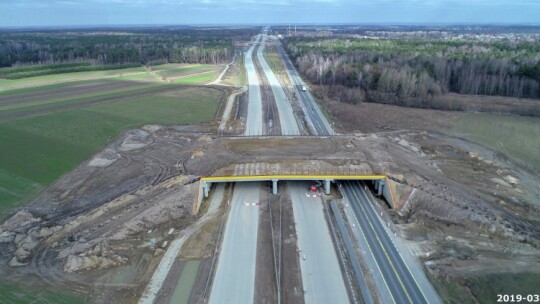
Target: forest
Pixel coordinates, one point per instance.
(412, 72)
(120, 47)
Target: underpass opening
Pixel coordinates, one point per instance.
(378, 184)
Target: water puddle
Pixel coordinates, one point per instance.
(185, 283)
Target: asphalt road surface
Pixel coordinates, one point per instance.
(399, 280)
(313, 112)
(285, 110)
(404, 281)
(234, 281)
(254, 112)
(321, 274)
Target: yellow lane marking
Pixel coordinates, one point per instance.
(297, 176)
(385, 252)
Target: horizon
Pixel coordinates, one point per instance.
(201, 25)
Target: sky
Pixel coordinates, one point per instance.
(22, 13)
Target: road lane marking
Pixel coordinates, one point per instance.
(408, 269)
(372, 254)
(383, 248)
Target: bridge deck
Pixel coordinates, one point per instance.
(246, 178)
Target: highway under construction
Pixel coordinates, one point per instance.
(329, 258)
(272, 206)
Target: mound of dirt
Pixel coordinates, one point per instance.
(99, 257)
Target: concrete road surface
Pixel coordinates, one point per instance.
(321, 274)
(403, 286)
(254, 113)
(285, 110)
(234, 281)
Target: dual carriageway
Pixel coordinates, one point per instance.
(397, 276)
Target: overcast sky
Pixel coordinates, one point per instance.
(123, 12)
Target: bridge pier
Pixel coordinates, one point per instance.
(206, 188)
(274, 186)
(327, 186)
(379, 188)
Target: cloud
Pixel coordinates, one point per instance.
(59, 12)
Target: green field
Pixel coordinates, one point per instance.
(15, 294)
(516, 136)
(485, 288)
(108, 94)
(39, 81)
(184, 69)
(198, 79)
(37, 150)
(449, 290)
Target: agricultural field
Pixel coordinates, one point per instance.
(188, 73)
(12, 294)
(48, 130)
(513, 135)
(61, 79)
(200, 78)
(177, 70)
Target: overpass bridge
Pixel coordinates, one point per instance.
(380, 182)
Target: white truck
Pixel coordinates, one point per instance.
(304, 88)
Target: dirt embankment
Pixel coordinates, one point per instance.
(464, 209)
(100, 230)
(113, 212)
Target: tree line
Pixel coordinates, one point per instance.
(121, 46)
(413, 72)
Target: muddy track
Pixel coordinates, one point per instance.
(95, 199)
(265, 278)
(45, 265)
(292, 288)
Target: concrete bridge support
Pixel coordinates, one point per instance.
(274, 186)
(206, 188)
(327, 186)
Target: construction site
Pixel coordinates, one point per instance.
(272, 203)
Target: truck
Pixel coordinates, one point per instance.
(304, 88)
